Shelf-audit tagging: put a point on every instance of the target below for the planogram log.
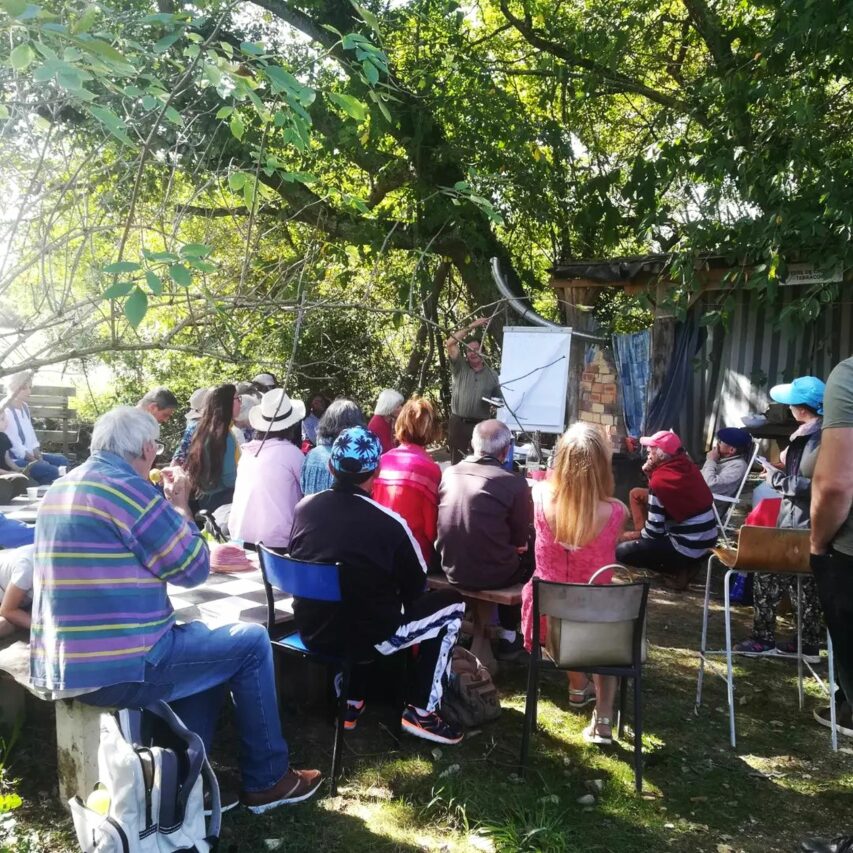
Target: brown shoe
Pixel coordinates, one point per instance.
(683, 577)
(294, 787)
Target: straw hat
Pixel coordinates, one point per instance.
(276, 412)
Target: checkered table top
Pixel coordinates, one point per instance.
(228, 598)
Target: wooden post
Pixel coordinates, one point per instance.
(78, 733)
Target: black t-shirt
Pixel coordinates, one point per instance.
(5, 447)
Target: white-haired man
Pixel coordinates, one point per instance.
(484, 518)
(103, 630)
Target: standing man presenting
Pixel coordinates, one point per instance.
(832, 550)
(472, 380)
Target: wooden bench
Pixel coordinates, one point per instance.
(481, 604)
(52, 402)
(77, 725)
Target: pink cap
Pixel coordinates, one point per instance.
(666, 440)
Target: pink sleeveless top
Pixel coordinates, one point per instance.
(556, 563)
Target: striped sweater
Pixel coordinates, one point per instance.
(693, 536)
(106, 544)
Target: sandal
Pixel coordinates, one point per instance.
(599, 730)
(579, 699)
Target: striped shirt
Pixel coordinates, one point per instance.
(693, 536)
(106, 544)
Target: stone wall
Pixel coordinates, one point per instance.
(599, 394)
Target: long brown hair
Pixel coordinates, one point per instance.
(582, 478)
(207, 448)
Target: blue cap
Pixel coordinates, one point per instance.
(356, 451)
(803, 391)
(735, 436)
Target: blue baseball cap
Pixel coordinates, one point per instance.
(355, 451)
(735, 437)
(803, 391)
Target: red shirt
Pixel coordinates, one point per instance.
(380, 427)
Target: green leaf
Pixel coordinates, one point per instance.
(174, 116)
(350, 105)
(14, 7)
(237, 180)
(136, 307)
(251, 49)
(22, 56)
(368, 17)
(4, 112)
(103, 49)
(161, 257)
(370, 71)
(180, 275)
(166, 42)
(196, 250)
(149, 102)
(8, 802)
(155, 283)
(200, 265)
(123, 266)
(224, 112)
(112, 123)
(237, 126)
(120, 288)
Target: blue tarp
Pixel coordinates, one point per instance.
(633, 363)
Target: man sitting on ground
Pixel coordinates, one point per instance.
(384, 608)
(160, 403)
(484, 518)
(726, 463)
(680, 528)
(105, 531)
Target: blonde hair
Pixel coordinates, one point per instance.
(582, 478)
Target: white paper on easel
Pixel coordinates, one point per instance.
(534, 378)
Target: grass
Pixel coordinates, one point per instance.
(782, 783)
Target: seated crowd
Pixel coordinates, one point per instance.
(323, 484)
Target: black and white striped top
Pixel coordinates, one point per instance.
(693, 537)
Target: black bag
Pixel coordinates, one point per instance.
(471, 697)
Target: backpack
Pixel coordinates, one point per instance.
(152, 770)
(471, 697)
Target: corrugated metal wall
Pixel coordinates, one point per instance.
(738, 364)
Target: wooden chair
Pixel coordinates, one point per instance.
(771, 550)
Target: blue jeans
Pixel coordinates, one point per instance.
(190, 667)
(46, 470)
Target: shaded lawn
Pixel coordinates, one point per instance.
(781, 784)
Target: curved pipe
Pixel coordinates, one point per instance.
(530, 314)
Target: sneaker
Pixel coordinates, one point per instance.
(228, 800)
(753, 648)
(843, 718)
(294, 787)
(842, 844)
(509, 650)
(429, 727)
(811, 654)
(353, 712)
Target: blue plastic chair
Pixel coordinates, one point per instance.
(317, 582)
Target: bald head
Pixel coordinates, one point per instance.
(491, 438)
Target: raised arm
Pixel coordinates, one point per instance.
(451, 345)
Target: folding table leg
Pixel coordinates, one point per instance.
(730, 680)
(830, 664)
(703, 643)
(800, 692)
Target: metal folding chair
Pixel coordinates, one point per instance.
(724, 522)
(597, 629)
(775, 551)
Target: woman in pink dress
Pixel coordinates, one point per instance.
(578, 523)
